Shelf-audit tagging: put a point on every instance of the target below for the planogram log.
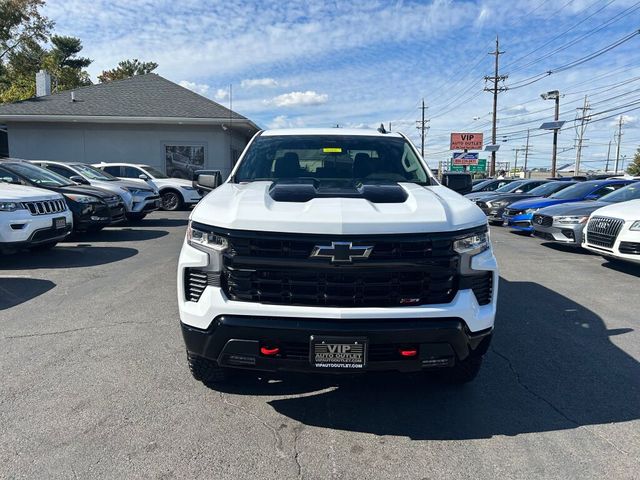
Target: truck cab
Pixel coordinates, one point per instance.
(334, 250)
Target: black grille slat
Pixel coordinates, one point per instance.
(630, 248)
(603, 231)
(482, 286)
(196, 280)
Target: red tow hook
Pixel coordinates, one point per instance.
(408, 352)
(269, 351)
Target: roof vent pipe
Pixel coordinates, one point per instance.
(73, 96)
(43, 83)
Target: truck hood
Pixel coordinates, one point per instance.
(573, 209)
(250, 207)
(21, 193)
(627, 211)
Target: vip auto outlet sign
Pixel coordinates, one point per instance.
(466, 141)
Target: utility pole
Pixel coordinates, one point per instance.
(554, 95)
(515, 166)
(495, 90)
(619, 142)
(526, 155)
(606, 168)
(584, 119)
(421, 125)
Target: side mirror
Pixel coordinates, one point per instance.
(458, 182)
(143, 176)
(207, 180)
(79, 180)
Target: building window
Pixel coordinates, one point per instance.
(182, 160)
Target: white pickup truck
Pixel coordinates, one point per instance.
(334, 250)
(32, 218)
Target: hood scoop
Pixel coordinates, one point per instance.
(303, 190)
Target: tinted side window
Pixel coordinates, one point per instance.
(529, 186)
(65, 172)
(115, 171)
(607, 189)
(6, 174)
(131, 172)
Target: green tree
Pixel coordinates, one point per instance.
(634, 167)
(21, 22)
(64, 64)
(17, 81)
(126, 69)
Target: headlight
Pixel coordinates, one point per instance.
(81, 198)
(531, 210)
(208, 242)
(6, 206)
(137, 191)
(635, 226)
(498, 203)
(570, 220)
(473, 244)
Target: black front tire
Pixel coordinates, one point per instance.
(463, 371)
(172, 201)
(205, 370)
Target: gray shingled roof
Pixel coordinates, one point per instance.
(140, 96)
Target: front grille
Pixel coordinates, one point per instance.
(113, 201)
(401, 270)
(630, 248)
(49, 233)
(482, 286)
(543, 220)
(46, 207)
(544, 235)
(196, 280)
(603, 231)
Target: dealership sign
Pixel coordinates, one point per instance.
(466, 141)
(464, 158)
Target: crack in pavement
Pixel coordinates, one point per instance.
(276, 436)
(296, 453)
(551, 405)
(80, 329)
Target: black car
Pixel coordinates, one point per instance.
(494, 206)
(93, 208)
(491, 184)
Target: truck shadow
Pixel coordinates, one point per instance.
(552, 366)
(126, 234)
(16, 290)
(67, 257)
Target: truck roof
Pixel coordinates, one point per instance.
(328, 131)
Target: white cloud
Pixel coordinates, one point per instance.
(221, 94)
(294, 99)
(258, 82)
(200, 88)
(282, 121)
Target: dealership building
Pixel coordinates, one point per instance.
(143, 119)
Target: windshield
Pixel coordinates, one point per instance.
(93, 173)
(510, 187)
(630, 192)
(351, 158)
(154, 173)
(575, 192)
(481, 185)
(549, 188)
(38, 175)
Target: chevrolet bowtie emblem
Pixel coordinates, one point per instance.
(341, 252)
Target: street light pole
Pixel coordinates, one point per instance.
(555, 138)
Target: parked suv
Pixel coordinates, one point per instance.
(92, 208)
(176, 193)
(335, 250)
(138, 199)
(614, 232)
(31, 217)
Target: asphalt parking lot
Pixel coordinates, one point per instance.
(95, 382)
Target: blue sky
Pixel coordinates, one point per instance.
(360, 63)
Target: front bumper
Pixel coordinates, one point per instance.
(235, 340)
(145, 204)
(520, 222)
(190, 197)
(626, 246)
(567, 234)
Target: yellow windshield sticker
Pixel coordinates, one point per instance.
(332, 150)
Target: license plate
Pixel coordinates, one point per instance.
(59, 223)
(338, 352)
